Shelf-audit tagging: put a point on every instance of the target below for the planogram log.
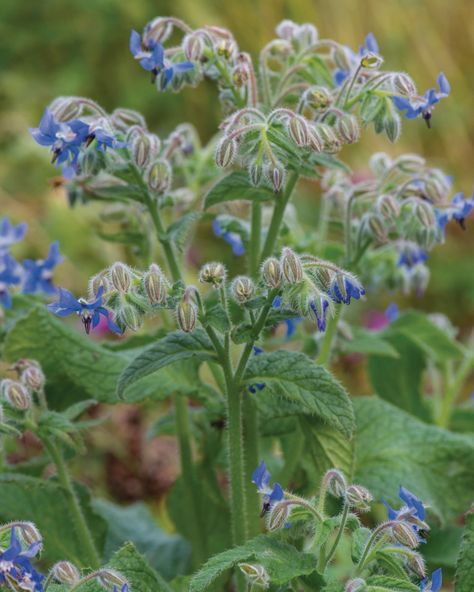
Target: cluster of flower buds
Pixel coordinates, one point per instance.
(356, 497)
(19, 394)
(65, 572)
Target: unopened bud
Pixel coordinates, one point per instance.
(159, 29)
(242, 288)
(110, 579)
(272, 272)
(298, 130)
(155, 285)
(276, 174)
(410, 163)
(359, 497)
(186, 315)
(371, 61)
(388, 207)
(318, 98)
(405, 534)
(15, 394)
(29, 533)
(226, 151)
(342, 59)
(392, 125)
(376, 227)
(226, 48)
(120, 276)
(380, 163)
(123, 119)
(256, 574)
(347, 129)
(436, 190)
(212, 273)
(291, 266)
(417, 564)
(158, 176)
(425, 214)
(355, 585)
(145, 148)
(130, 316)
(66, 108)
(278, 516)
(403, 85)
(316, 141)
(194, 47)
(99, 281)
(306, 34)
(329, 138)
(255, 174)
(66, 572)
(286, 29)
(33, 378)
(335, 483)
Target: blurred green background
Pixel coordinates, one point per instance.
(80, 47)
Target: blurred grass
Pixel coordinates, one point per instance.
(52, 48)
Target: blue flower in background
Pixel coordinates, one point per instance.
(39, 274)
(410, 255)
(370, 46)
(271, 495)
(291, 323)
(9, 276)
(392, 312)
(90, 312)
(10, 234)
(15, 566)
(152, 58)
(434, 585)
(344, 288)
(415, 106)
(459, 209)
(64, 139)
(231, 238)
(259, 386)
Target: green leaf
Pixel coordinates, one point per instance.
(309, 388)
(399, 380)
(465, 565)
(429, 337)
(282, 562)
(46, 504)
(393, 448)
(169, 554)
(175, 347)
(178, 232)
(236, 186)
(370, 343)
(358, 542)
(442, 546)
(389, 583)
(217, 317)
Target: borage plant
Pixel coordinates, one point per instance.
(251, 351)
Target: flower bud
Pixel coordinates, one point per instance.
(66, 572)
(342, 59)
(392, 125)
(315, 139)
(226, 151)
(16, 394)
(66, 108)
(255, 174)
(99, 281)
(123, 119)
(417, 564)
(306, 34)
(409, 163)
(388, 207)
(298, 130)
(110, 579)
(255, 574)
(276, 175)
(186, 315)
(130, 316)
(335, 483)
(436, 190)
(155, 285)
(359, 497)
(194, 47)
(29, 533)
(278, 516)
(32, 377)
(226, 48)
(212, 273)
(145, 147)
(403, 85)
(371, 61)
(272, 272)
(405, 534)
(291, 266)
(331, 142)
(286, 29)
(355, 584)
(375, 227)
(379, 163)
(317, 98)
(158, 176)
(159, 29)
(242, 288)
(120, 276)
(419, 278)
(347, 129)
(425, 214)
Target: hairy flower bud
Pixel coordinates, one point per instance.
(194, 46)
(286, 29)
(186, 315)
(66, 572)
(145, 147)
(425, 214)
(341, 57)
(417, 564)
(409, 163)
(16, 394)
(158, 176)
(306, 34)
(436, 190)
(315, 139)
(331, 142)
(98, 281)
(120, 276)
(272, 272)
(123, 119)
(242, 288)
(335, 482)
(405, 534)
(66, 108)
(355, 584)
(226, 151)
(276, 175)
(226, 49)
(29, 533)
(359, 497)
(392, 125)
(33, 378)
(278, 516)
(255, 574)
(298, 130)
(403, 84)
(256, 174)
(388, 207)
(159, 29)
(155, 285)
(291, 266)
(110, 579)
(371, 61)
(317, 98)
(379, 163)
(375, 227)
(347, 129)
(212, 273)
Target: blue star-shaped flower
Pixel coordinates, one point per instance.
(39, 274)
(413, 512)
(231, 238)
(271, 495)
(10, 234)
(434, 585)
(90, 312)
(15, 566)
(104, 139)
(415, 106)
(410, 255)
(370, 46)
(459, 209)
(151, 56)
(343, 289)
(9, 276)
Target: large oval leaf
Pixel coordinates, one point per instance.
(236, 186)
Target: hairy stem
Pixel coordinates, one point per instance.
(326, 346)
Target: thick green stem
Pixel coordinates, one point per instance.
(91, 556)
(251, 459)
(277, 218)
(191, 500)
(255, 238)
(326, 346)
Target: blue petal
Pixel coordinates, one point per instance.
(444, 86)
(261, 477)
(135, 43)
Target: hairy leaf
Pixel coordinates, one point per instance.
(236, 186)
(465, 564)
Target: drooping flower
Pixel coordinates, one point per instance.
(90, 312)
(415, 106)
(9, 276)
(16, 570)
(412, 512)
(410, 255)
(151, 55)
(271, 495)
(343, 287)
(459, 209)
(433, 585)
(370, 46)
(10, 234)
(39, 274)
(319, 307)
(231, 238)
